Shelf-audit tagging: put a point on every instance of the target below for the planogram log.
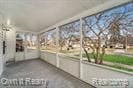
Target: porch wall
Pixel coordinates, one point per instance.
(32, 55)
(89, 71)
(49, 57)
(69, 65)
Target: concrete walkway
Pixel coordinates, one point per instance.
(38, 69)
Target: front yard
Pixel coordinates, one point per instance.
(115, 59)
(118, 61)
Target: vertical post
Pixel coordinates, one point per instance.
(45, 44)
(81, 38)
(57, 47)
(38, 45)
(126, 45)
(25, 44)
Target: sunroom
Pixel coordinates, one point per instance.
(66, 44)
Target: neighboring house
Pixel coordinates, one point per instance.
(122, 42)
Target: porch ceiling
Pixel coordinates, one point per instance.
(35, 15)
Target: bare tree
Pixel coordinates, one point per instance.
(95, 34)
(122, 22)
(68, 33)
(103, 28)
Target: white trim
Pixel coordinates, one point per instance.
(81, 39)
(57, 46)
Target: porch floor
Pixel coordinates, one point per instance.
(36, 69)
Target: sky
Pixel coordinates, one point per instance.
(106, 18)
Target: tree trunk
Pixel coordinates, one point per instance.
(101, 57)
(87, 55)
(97, 55)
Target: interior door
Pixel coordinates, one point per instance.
(4, 53)
(1, 52)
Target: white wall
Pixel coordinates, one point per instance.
(32, 54)
(50, 57)
(9, 38)
(91, 71)
(64, 62)
(69, 65)
(19, 56)
(27, 54)
(11, 45)
(11, 54)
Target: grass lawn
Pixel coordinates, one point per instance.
(119, 59)
(116, 59)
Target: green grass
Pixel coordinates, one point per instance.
(115, 59)
(119, 59)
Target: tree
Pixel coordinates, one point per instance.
(95, 33)
(106, 27)
(67, 33)
(122, 22)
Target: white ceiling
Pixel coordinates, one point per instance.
(35, 15)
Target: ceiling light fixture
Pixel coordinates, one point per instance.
(6, 26)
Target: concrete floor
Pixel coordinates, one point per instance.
(38, 69)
